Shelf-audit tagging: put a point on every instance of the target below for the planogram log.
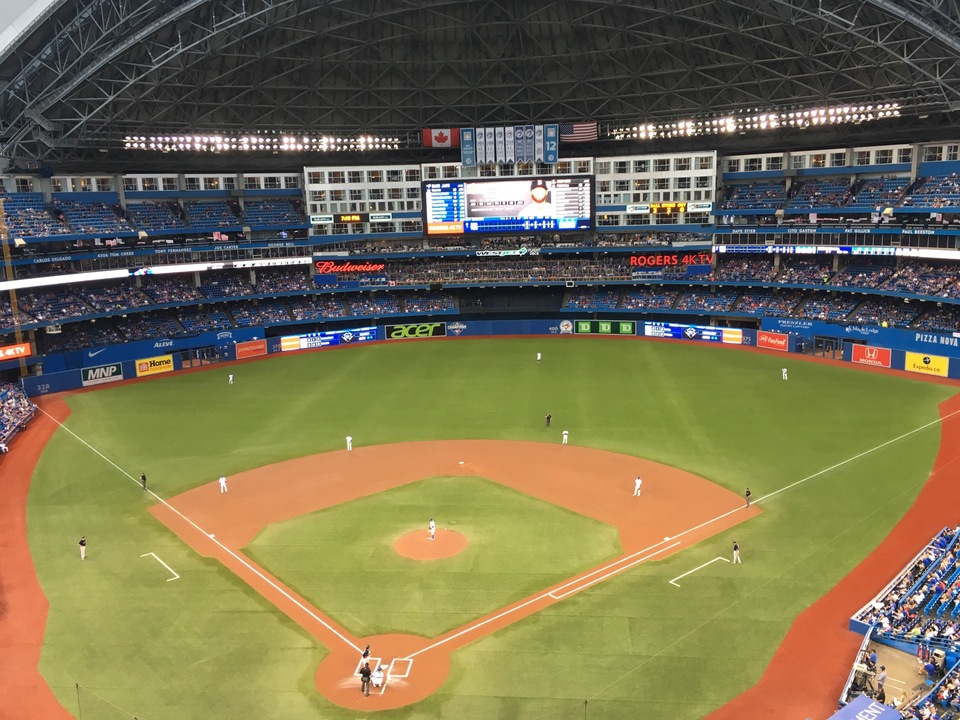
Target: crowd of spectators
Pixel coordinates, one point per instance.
(92, 218)
(805, 271)
(754, 196)
(937, 192)
(272, 213)
(863, 275)
(429, 302)
(772, 303)
(885, 311)
(80, 336)
(16, 411)
(899, 609)
(319, 307)
(649, 298)
(743, 269)
(374, 304)
(826, 307)
(200, 319)
(210, 214)
(945, 318)
(282, 280)
(590, 299)
(157, 215)
(260, 313)
(707, 301)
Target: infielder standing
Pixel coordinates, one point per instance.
(636, 486)
(223, 483)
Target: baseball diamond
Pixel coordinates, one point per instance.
(807, 480)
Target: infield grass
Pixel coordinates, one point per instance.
(518, 546)
(206, 646)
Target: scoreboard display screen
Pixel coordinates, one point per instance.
(530, 204)
(308, 341)
(605, 327)
(679, 331)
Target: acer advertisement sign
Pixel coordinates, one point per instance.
(866, 355)
(772, 340)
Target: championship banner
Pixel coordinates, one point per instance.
(772, 340)
(468, 147)
(155, 365)
(251, 348)
(866, 355)
(927, 364)
(20, 350)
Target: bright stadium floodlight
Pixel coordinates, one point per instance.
(758, 119)
(259, 141)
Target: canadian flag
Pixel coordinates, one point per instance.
(442, 137)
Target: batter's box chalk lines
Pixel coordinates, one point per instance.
(172, 572)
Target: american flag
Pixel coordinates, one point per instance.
(578, 131)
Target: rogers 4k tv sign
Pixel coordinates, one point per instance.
(416, 330)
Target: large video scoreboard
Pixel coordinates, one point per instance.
(530, 204)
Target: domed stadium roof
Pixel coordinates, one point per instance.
(77, 76)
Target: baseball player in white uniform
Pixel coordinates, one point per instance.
(433, 529)
(223, 483)
(636, 486)
(566, 436)
(349, 443)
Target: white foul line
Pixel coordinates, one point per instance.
(605, 576)
(212, 539)
(541, 596)
(175, 576)
(710, 562)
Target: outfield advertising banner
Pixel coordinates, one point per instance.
(148, 348)
(927, 364)
(773, 341)
(13, 352)
(895, 338)
(251, 348)
(415, 330)
(154, 365)
(605, 327)
(101, 374)
(867, 355)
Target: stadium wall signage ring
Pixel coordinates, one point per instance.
(420, 330)
(670, 259)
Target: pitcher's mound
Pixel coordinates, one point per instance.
(418, 545)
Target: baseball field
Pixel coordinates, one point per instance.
(567, 597)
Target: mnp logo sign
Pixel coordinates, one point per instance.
(101, 374)
(866, 355)
(155, 365)
(927, 364)
(420, 330)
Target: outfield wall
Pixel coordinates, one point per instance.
(148, 358)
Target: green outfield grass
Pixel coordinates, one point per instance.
(206, 646)
(518, 546)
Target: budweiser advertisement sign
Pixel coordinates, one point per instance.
(329, 267)
(866, 355)
(772, 340)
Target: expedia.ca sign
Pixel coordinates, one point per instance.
(418, 330)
